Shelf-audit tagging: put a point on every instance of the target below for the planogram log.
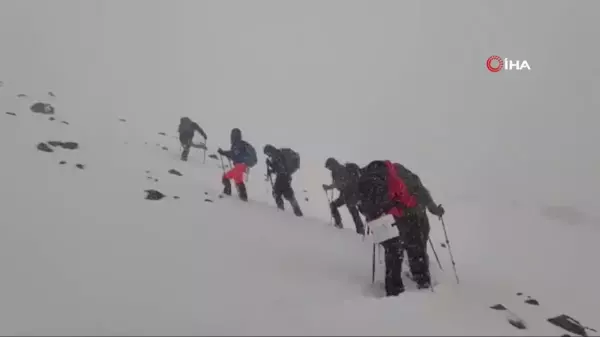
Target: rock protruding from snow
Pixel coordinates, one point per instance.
(11, 113)
(122, 120)
(154, 195)
(64, 145)
(162, 133)
(80, 166)
(213, 156)
(62, 162)
(175, 172)
(44, 147)
(570, 324)
(42, 108)
(532, 301)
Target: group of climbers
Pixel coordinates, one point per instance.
(382, 187)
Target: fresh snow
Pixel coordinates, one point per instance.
(82, 251)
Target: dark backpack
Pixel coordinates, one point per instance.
(251, 158)
(411, 180)
(353, 172)
(292, 160)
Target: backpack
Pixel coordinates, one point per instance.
(412, 182)
(292, 160)
(251, 158)
(353, 172)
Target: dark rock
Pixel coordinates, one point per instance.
(148, 171)
(165, 148)
(498, 307)
(70, 145)
(55, 143)
(44, 147)
(175, 172)
(443, 245)
(65, 122)
(155, 180)
(50, 93)
(207, 200)
(162, 133)
(213, 156)
(42, 108)
(123, 120)
(80, 166)
(519, 294)
(570, 324)
(11, 113)
(517, 323)
(221, 196)
(154, 195)
(62, 162)
(175, 197)
(205, 193)
(22, 96)
(532, 301)
(51, 119)
(306, 199)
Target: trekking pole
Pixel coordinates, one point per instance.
(436, 255)
(329, 199)
(222, 163)
(450, 250)
(373, 265)
(204, 160)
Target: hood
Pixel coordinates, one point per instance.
(236, 135)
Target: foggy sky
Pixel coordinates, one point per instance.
(360, 80)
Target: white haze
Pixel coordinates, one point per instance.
(359, 80)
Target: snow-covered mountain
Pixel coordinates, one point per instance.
(83, 251)
(512, 156)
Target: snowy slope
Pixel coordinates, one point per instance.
(82, 251)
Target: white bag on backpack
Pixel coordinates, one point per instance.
(382, 229)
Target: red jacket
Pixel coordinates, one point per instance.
(398, 191)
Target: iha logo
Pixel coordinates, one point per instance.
(496, 63)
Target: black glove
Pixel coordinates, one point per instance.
(437, 210)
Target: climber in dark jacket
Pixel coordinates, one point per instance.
(382, 190)
(186, 129)
(277, 164)
(238, 154)
(345, 180)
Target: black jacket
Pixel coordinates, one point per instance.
(187, 127)
(276, 163)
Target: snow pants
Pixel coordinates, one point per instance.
(237, 174)
(282, 188)
(414, 233)
(186, 142)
